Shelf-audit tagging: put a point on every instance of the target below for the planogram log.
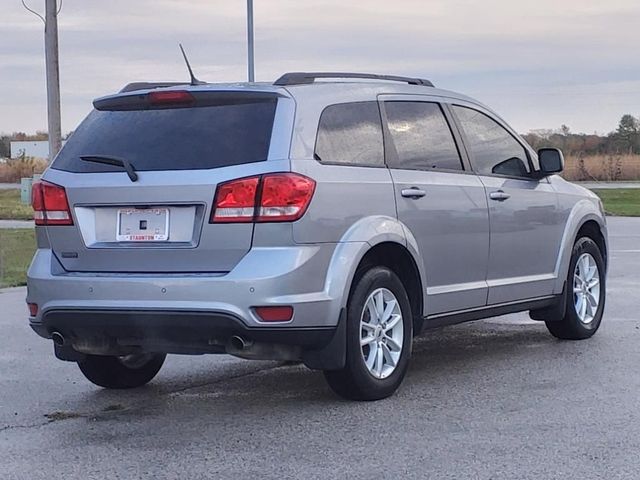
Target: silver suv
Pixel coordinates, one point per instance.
(311, 220)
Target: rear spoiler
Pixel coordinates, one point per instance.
(163, 99)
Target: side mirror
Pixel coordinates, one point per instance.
(551, 161)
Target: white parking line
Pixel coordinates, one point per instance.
(625, 251)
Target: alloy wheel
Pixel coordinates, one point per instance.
(586, 288)
(381, 333)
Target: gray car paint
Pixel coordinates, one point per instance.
(451, 226)
(310, 264)
(521, 264)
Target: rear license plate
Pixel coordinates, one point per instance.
(143, 225)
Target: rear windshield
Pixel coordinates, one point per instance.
(173, 139)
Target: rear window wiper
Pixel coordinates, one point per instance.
(118, 162)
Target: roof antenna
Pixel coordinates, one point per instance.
(194, 80)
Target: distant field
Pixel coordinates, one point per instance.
(16, 250)
(11, 208)
(621, 201)
(602, 168)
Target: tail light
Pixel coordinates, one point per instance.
(285, 197)
(236, 201)
(275, 197)
(33, 309)
(50, 205)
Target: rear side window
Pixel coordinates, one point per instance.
(351, 133)
(197, 137)
(494, 151)
(422, 136)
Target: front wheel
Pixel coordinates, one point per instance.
(379, 336)
(128, 371)
(585, 293)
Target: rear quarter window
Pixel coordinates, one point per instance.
(351, 134)
(185, 138)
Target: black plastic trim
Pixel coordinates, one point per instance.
(554, 312)
(452, 318)
(333, 356)
(178, 328)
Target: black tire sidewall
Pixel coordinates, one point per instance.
(110, 372)
(372, 279)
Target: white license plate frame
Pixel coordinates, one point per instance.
(156, 223)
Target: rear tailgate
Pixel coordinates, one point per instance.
(160, 222)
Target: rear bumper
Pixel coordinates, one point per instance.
(168, 331)
(196, 313)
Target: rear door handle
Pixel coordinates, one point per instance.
(499, 195)
(413, 192)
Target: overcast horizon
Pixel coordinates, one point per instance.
(539, 66)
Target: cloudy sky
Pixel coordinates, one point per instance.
(539, 64)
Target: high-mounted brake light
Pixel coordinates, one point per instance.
(50, 204)
(274, 197)
(171, 97)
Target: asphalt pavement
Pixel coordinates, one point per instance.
(494, 399)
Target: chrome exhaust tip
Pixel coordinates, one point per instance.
(58, 339)
(239, 343)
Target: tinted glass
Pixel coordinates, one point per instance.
(173, 138)
(493, 149)
(351, 133)
(422, 136)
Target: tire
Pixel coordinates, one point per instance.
(576, 325)
(131, 371)
(357, 381)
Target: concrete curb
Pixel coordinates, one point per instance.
(12, 224)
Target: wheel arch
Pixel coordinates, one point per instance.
(399, 260)
(379, 240)
(584, 219)
(591, 229)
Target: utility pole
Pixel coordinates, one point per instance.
(250, 62)
(53, 77)
(52, 69)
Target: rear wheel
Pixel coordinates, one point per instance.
(585, 293)
(128, 371)
(379, 335)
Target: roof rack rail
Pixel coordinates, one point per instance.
(130, 87)
(305, 78)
